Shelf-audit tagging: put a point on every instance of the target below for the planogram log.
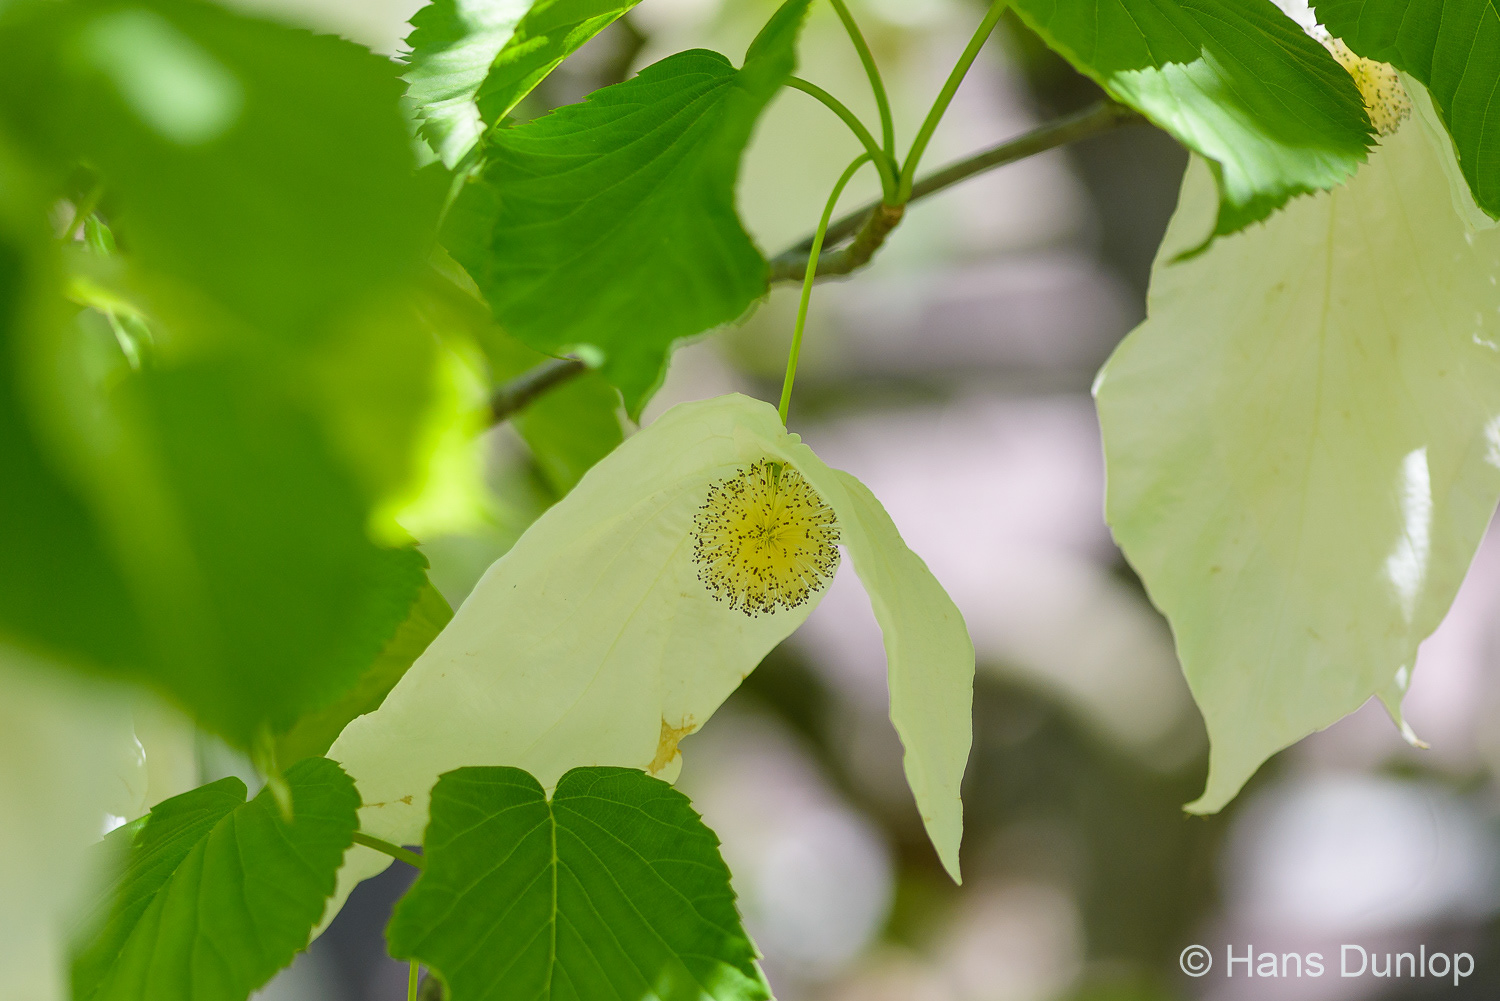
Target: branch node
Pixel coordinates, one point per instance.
(879, 221)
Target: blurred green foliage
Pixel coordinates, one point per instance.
(265, 215)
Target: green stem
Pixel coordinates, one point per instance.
(877, 85)
(411, 858)
(411, 983)
(883, 163)
(945, 97)
(807, 284)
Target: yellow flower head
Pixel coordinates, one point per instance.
(1386, 100)
(764, 539)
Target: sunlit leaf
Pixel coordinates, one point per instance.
(1236, 81)
(60, 588)
(568, 428)
(610, 225)
(612, 889)
(200, 518)
(1303, 441)
(596, 641)
(266, 166)
(472, 60)
(214, 894)
(246, 545)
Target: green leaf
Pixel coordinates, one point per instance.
(284, 233)
(221, 543)
(610, 226)
(205, 525)
(314, 733)
(267, 167)
(1302, 444)
(595, 639)
(216, 894)
(246, 547)
(613, 889)
(60, 587)
(1235, 81)
(493, 52)
(1453, 48)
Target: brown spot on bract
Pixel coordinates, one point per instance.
(666, 744)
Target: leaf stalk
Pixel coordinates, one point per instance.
(884, 162)
(807, 284)
(877, 85)
(870, 224)
(396, 852)
(945, 97)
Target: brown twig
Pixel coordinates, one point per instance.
(514, 395)
(871, 224)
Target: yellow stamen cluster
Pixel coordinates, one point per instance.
(1386, 99)
(765, 540)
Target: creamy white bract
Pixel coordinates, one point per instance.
(1303, 438)
(595, 640)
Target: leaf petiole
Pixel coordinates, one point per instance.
(877, 85)
(396, 852)
(883, 161)
(807, 284)
(945, 97)
(790, 264)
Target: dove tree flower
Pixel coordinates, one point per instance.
(1303, 437)
(629, 611)
(218, 429)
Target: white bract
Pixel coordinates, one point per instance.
(69, 767)
(1302, 443)
(629, 611)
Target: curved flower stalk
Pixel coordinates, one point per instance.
(1303, 438)
(629, 611)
